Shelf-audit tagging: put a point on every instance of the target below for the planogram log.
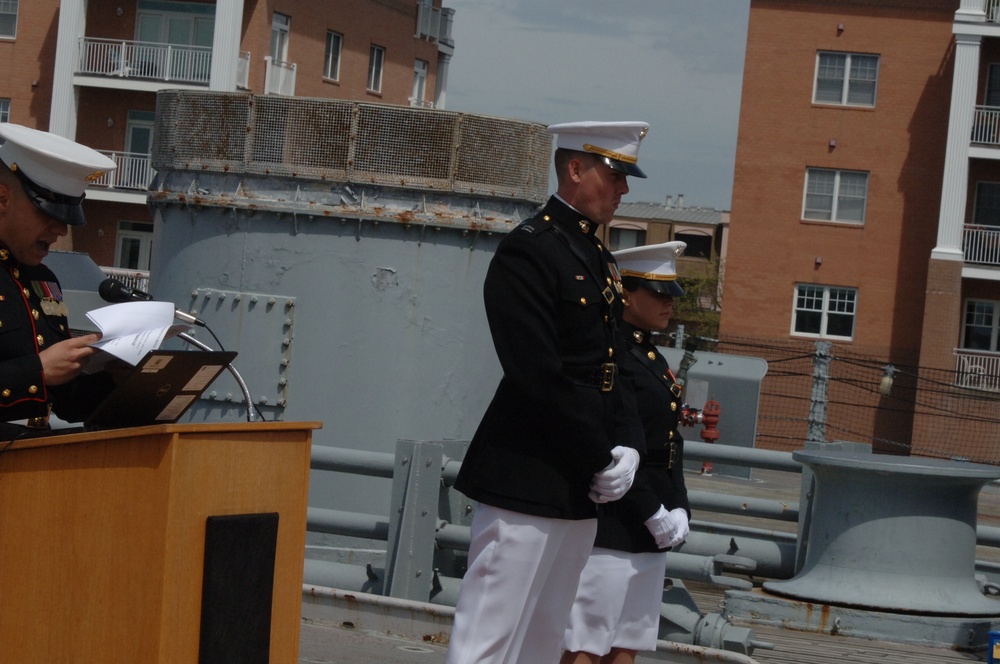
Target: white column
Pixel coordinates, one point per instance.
(955, 182)
(226, 45)
(441, 80)
(971, 10)
(446, 48)
(63, 108)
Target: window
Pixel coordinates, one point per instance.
(280, 28)
(979, 331)
(835, 195)
(698, 245)
(134, 170)
(4, 110)
(135, 242)
(182, 24)
(8, 18)
(986, 211)
(848, 79)
(419, 83)
(824, 311)
(376, 58)
(992, 97)
(625, 238)
(331, 61)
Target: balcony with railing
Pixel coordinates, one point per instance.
(279, 77)
(150, 61)
(981, 244)
(134, 279)
(977, 370)
(434, 24)
(986, 125)
(992, 11)
(134, 171)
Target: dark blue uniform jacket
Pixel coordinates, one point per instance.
(553, 300)
(32, 318)
(660, 479)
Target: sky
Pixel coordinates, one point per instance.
(676, 64)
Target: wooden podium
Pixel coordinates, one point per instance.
(160, 544)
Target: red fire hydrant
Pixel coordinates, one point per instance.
(710, 418)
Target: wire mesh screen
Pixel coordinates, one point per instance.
(347, 141)
(895, 407)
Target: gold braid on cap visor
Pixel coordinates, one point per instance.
(649, 276)
(610, 154)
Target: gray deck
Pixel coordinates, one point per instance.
(324, 644)
(327, 643)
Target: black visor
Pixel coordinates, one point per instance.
(66, 209)
(664, 286)
(623, 167)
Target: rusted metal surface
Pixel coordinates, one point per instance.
(345, 141)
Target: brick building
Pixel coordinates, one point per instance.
(866, 197)
(90, 70)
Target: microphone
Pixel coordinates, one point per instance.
(114, 291)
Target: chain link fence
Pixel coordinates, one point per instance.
(823, 392)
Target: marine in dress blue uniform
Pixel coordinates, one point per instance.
(561, 434)
(616, 612)
(43, 178)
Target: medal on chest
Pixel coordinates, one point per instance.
(616, 277)
(50, 297)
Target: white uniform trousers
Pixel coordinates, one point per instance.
(618, 602)
(516, 595)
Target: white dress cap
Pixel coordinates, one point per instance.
(54, 170)
(50, 161)
(654, 264)
(617, 142)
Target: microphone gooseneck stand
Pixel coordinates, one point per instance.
(236, 374)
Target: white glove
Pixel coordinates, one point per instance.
(668, 528)
(612, 482)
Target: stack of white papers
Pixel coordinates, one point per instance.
(129, 330)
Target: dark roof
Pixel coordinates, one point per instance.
(661, 212)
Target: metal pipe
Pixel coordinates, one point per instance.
(353, 524)
(750, 507)
(744, 456)
(988, 535)
(356, 462)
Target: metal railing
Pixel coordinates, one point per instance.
(724, 552)
(986, 125)
(981, 244)
(993, 11)
(977, 370)
(147, 60)
(136, 279)
(428, 22)
(134, 171)
(279, 77)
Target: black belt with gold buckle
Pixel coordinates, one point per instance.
(602, 376)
